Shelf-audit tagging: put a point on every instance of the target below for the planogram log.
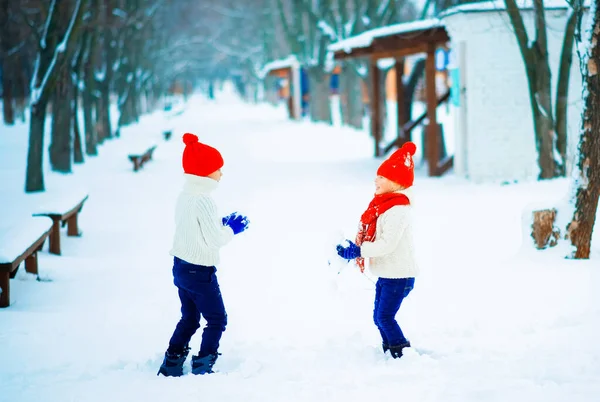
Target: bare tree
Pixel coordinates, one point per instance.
(587, 178)
(6, 44)
(55, 42)
(550, 127)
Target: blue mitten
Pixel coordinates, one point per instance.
(348, 253)
(228, 217)
(237, 223)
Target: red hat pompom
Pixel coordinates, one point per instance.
(189, 138)
(200, 159)
(409, 147)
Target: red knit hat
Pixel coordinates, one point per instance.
(399, 167)
(200, 159)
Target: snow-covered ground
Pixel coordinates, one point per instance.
(490, 319)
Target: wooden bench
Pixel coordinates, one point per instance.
(20, 240)
(63, 211)
(139, 160)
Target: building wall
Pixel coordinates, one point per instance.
(494, 127)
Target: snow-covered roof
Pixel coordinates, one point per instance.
(500, 5)
(365, 39)
(289, 61)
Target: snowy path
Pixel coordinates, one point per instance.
(489, 322)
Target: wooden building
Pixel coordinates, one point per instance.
(399, 41)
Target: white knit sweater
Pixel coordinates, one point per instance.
(199, 232)
(391, 255)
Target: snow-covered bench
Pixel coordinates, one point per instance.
(63, 210)
(139, 159)
(20, 239)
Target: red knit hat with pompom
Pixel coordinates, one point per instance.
(400, 167)
(200, 159)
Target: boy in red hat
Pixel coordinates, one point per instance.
(385, 238)
(199, 234)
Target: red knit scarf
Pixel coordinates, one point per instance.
(368, 221)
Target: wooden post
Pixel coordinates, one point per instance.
(31, 264)
(5, 286)
(55, 237)
(402, 137)
(72, 227)
(376, 127)
(432, 129)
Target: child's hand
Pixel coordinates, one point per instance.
(348, 253)
(237, 223)
(228, 217)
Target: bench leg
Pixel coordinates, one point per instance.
(72, 227)
(31, 264)
(55, 238)
(5, 286)
(136, 164)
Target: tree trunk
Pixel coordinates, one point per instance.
(7, 93)
(382, 97)
(128, 106)
(562, 91)
(103, 108)
(104, 85)
(544, 123)
(537, 68)
(588, 175)
(211, 89)
(91, 139)
(77, 144)
(410, 88)
(21, 85)
(6, 41)
(62, 117)
(61, 26)
(34, 180)
(319, 103)
(351, 101)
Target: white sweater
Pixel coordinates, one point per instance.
(391, 255)
(199, 231)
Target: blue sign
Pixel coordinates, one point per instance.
(455, 86)
(441, 60)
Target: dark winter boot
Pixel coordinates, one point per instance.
(385, 347)
(204, 364)
(396, 350)
(172, 365)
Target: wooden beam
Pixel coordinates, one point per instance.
(445, 165)
(379, 53)
(401, 135)
(433, 153)
(376, 128)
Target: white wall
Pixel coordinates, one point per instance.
(497, 131)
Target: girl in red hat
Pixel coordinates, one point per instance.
(385, 238)
(199, 234)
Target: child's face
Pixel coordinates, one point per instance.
(216, 175)
(384, 185)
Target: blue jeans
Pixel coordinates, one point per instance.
(200, 295)
(389, 294)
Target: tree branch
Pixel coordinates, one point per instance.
(517, 22)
